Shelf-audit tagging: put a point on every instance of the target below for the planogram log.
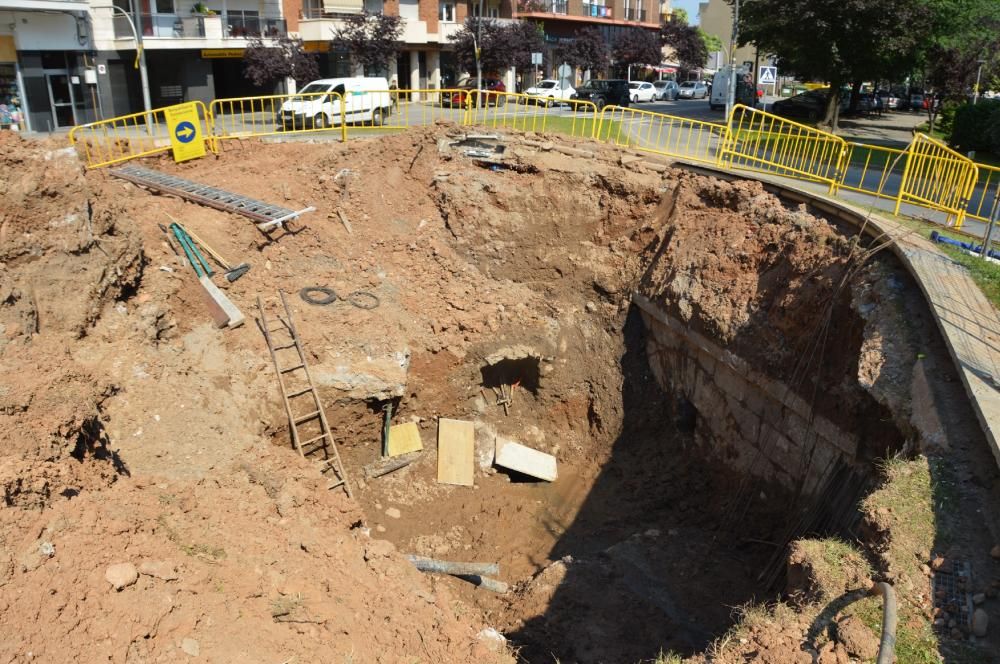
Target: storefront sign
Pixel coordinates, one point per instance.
(8, 53)
(316, 47)
(215, 53)
(185, 131)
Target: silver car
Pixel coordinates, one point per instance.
(666, 90)
(693, 90)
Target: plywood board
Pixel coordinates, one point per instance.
(404, 438)
(456, 447)
(515, 456)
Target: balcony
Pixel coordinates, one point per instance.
(597, 11)
(635, 14)
(543, 6)
(234, 25)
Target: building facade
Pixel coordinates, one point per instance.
(47, 73)
(716, 18)
(561, 20)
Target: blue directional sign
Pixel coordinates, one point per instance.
(186, 138)
(185, 132)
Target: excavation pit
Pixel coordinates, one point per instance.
(717, 371)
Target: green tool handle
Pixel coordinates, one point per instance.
(191, 251)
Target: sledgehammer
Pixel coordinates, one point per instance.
(232, 273)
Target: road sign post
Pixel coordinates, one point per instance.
(184, 125)
(768, 75)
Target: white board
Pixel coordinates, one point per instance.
(515, 456)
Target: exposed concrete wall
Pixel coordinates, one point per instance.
(752, 423)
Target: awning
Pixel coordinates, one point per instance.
(342, 6)
(44, 5)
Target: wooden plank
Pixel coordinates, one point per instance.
(515, 456)
(456, 447)
(224, 312)
(404, 438)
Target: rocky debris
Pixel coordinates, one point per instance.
(858, 640)
(393, 513)
(159, 569)
(493, 639)
(980, 622)
(121, 575)
(191, 647)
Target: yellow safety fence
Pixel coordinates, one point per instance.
(762, 141)
(873, 169)
(268, 115)
(126, 137)
(984, 194)
(661, 134)
(402, 109)
(937, 177)
(521, 112)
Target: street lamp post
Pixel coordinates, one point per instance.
(141, 53)
(979, 75)
(731, 93)
(479, 66)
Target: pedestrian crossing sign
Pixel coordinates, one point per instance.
(768, 76)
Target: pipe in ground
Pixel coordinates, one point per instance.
(457, 569)
(887, 645)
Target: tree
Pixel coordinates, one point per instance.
(840, 41)
(501, 45)
(371, 39)
(265, 64)
(686, 41)
(587, 50)
(636, 47)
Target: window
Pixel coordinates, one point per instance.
(447, 12)
(493, 11)
(165, 7)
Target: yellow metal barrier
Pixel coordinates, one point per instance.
(409, 108)
(985, 192)
(873, 169)
(507, 110)
(661, 134)
(119, 139)
(766, 142)
(242, 117)
(937, 177)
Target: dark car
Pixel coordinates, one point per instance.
(809, 105)
(467, 88)
(603, 92)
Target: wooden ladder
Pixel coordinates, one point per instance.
(299, 369)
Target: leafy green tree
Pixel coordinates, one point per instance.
(587, 50)
(502, 45)
(265, 63)
(372, 39)
(636, 47)
(687, 41)
(841, 41)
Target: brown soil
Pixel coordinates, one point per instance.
(134, 431)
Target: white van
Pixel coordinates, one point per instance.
(315, 106)
(746, 93)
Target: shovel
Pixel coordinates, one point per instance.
(232, 272)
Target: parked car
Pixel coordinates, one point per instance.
(889, 100)
(603, 92)
(641, 91)
(549, 92)
(693, 90)
(666, 90)
(918, 102)
(492, 92)
(317, 105)
(808, 105)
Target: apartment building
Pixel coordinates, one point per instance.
(716, 18)
(427, 59)
(46, 65)
(194, 48)
(562, 19)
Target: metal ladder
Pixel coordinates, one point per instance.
(267, 216)
(324, 441)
